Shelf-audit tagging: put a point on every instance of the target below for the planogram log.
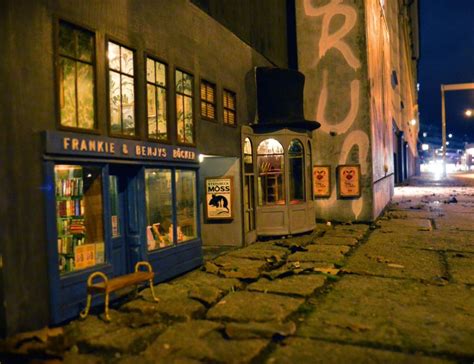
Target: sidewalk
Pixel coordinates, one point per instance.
(399, 291)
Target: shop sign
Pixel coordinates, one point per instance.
(99, 146)
(348, 177)
(84, 256)
(322, 181)
(219, 193)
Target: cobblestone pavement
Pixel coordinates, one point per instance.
(398, 291)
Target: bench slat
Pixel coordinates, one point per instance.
(117, 283)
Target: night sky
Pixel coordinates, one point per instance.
(447, 56)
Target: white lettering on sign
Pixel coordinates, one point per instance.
(83, 145)
(144, 151)
(178, 153)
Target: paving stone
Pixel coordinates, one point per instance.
(269, 255)
(461, 267)
(231, 267)
(297, 350)
(335, 240)
(174, 303)
(389, 259)
(201, 341)
(254, 306)
(463, 222)
(356, 233)
(251, 330)
(320, 253)
(301, 285)
(398, 225)
(74, 358)
(393, 312)
(267, 245)
(411, 214)
(200, 278)
(296, 267)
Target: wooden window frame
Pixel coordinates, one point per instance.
(166, 88)
(193, 143)
(108, 70)
(57, 28)
(228, 109)
(207, 102)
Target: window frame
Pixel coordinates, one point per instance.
(176, 93)
(56, 29)
(120, 43)
(167, 90)
(224, 108)
(201, 100)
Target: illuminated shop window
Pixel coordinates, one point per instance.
(270, 161)
(76, 77)
(156, 100)
(229, 103)
(249, 178)
(296, 171)
(184, 107)
(159, 208)
(186, 206)
(208, 100)
(79, 217)
(121, 90)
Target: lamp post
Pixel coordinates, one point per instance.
(451, 87)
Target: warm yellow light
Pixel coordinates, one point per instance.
(468, 113)
(413, 122)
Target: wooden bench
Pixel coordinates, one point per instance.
(107, 286)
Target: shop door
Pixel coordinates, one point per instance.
(124, 219)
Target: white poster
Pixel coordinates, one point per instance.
(219, 198)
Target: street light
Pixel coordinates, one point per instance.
(468, 113)
(452, 87)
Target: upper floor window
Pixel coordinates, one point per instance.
(208, 100)
(229, 107)
(156, 97)
(184, 107)
(76, 77)
(121, 90)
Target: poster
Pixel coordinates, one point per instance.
(84, 256)
(321, 181)
(348, 177)
(219, 198)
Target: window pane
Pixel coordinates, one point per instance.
(115, 103)
(188, 120)
(180, 117)
(85, 45)
(128, 106)
(160, 74)
(85, 95)
(79, 212)
(68, 92)
(179, 81)
(248, 158)
(67, 41)
(296, 179)
(126, 60)
(114, 56)
(159, 208)
(187, 84)
(186, 205)
(270, 146)
(270, 159)
(114, 206)
(162, 115)
(151, 109)
(150, 70)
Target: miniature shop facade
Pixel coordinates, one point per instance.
(113, 202)
(277, 183)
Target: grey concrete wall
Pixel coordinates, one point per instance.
(222, 232)
(176, 31)
(332, 55)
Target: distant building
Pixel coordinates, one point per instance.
(135, 131)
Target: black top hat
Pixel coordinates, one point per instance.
(280, 100)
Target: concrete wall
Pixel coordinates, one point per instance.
(176, 31)
(332, 55)
(222, 232)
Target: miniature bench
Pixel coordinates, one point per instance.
(108, 286)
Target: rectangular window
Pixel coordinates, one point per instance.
(229, 101)
(79, 212)
(159, 208)
(156, 100)
(121, 90)
(186, 198)
(208, 100)
(76, 77)
(184, 107)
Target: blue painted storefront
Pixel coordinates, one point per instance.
(127, 160)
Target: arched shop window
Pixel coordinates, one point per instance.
(296, 165)
(248, 158)
(249, 179)
(270, 160)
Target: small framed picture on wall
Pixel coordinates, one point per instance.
(348, 181)
(321, 181)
